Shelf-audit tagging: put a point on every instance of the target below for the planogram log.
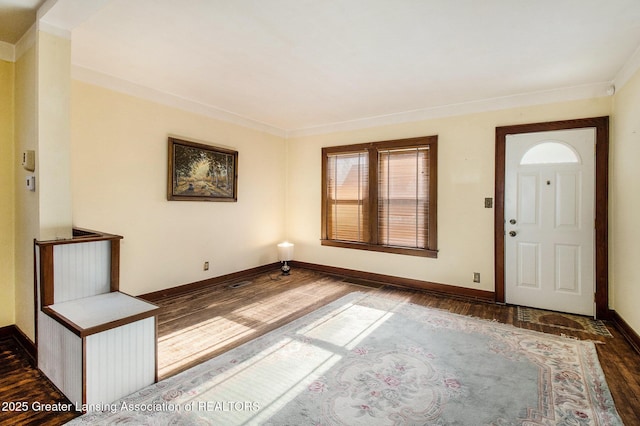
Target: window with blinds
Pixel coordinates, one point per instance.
(347, 192)
(403, 197)
(381, 196)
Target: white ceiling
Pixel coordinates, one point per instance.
(297, 65)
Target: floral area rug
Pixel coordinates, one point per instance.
(367, 360)
(563, 321)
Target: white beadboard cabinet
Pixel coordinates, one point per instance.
(95, 343)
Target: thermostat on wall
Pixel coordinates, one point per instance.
(29, 160)
(31, 183)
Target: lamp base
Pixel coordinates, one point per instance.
(286, 269)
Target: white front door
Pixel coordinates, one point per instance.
(549, 220)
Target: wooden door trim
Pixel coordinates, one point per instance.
(601, 124)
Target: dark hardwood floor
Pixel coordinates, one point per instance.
(24, 391)
(201, 324)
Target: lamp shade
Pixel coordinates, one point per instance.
(285, 251)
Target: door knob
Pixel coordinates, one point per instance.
(512, 221)
(513, 233)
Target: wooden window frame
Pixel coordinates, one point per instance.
(372, 148)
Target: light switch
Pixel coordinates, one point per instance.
(31, 183)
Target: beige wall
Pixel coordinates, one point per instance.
(8, 161)
(119, 178)
(625, 202)
(53, 171)
(466, 151)
(26, 202)
(42, 85)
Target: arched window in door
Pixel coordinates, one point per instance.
(550, 152)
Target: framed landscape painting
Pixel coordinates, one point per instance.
(199, 172)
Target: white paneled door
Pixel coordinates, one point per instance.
(549, 220)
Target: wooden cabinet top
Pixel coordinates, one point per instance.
(94, 314)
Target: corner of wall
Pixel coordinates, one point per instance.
(7, 193)
(624, 201)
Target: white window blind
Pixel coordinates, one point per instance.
(403, 197)
(347, 195)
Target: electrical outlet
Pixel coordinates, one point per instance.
(206, 266)
(476, 277)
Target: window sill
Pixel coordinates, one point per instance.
(385, 249)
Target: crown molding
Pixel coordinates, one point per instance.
(46, 27)
(589, 91)
(26, 42)
(60, 17)
(46, 24)
(7, 52)
(628, 70)
(116, 84)
(12, 53)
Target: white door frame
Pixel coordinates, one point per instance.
(601, 124)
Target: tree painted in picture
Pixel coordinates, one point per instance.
(203, 173)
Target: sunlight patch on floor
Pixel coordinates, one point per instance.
(331, 329)
(277, 307)
(198, 342)
(274, 379)
(181, 348)
(282, 371)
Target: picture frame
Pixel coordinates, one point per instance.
(200, 172)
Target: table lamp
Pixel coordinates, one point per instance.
(285, 254)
